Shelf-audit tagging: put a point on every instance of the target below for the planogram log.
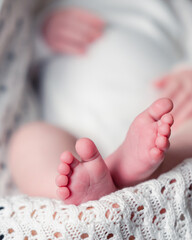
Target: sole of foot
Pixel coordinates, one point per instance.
(144, 147)
(84, 180)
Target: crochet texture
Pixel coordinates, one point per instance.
(157, 209)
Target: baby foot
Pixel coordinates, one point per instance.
(80, 182)
(144, 147)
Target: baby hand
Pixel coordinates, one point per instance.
(71, 31)
(178, 87)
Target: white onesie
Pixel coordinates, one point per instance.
(99, 94)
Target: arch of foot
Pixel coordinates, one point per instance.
(152, 210)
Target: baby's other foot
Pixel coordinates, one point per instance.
(80, 182)
(144, 147)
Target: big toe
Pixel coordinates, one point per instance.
(87, 149)
(159, 108)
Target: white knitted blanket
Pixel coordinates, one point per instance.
(157, 209)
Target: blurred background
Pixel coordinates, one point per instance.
(17, 102)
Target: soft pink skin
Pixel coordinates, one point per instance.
(80, 182)
(178, 87)
(144, 147)
(33, 157)
(135, 160)
(72, 30)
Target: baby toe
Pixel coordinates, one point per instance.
(159, 108)
(167, 118)
(64, 169)
(87, 149)
(162, 143)
(63, 193)
(67, 157)
(61, 181)
(164, 130)
(156, 154)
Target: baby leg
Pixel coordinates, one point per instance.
(34, 157)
